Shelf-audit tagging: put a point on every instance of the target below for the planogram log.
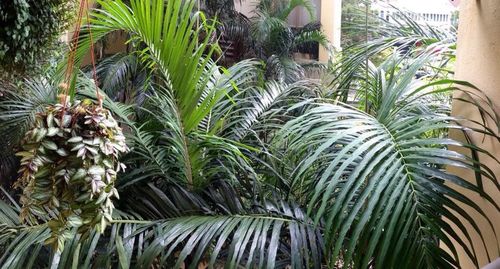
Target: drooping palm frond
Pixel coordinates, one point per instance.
(379, 181)
(123, 77)
(272, 236)
(184, 64)
(221, 198)
(252, 240)
(401, 34)
(260, 110)
(17, 112)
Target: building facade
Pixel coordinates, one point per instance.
(437, 13)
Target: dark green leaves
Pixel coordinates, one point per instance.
(372, 183)
(29, 32)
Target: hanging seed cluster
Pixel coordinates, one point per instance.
(68, 168)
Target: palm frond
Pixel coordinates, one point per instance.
(273, 240)
(257, 109)
(18, 108)
(123, 77)
(401, 35)
(379, 181)
(158, 24)
(391, 182)
(267, 29)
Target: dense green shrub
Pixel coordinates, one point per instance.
(29, 30)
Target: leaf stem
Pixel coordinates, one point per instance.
(118, 221)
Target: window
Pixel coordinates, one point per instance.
(382, 14)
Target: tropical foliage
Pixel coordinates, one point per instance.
(354, 13)
(29, 30)
(268, 36)
(229, 169)
(401, 35)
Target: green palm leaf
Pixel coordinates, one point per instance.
(259, 110)
(258, 239)
(18, 108)
(170, 34)
(123, 77)
(379, 182)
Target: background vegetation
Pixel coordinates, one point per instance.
(29, 32)
(231, 167)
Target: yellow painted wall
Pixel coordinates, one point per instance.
(115, 42)
(245, 7)
(478, 62)
(331, 19)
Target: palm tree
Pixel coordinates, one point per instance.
(378, 179)
(228, 169)
(276, 41)
(268, 36)
(175, 142)
(401, 33)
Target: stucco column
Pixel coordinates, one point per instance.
(245, 7)
(331, 19)
(478, 62)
